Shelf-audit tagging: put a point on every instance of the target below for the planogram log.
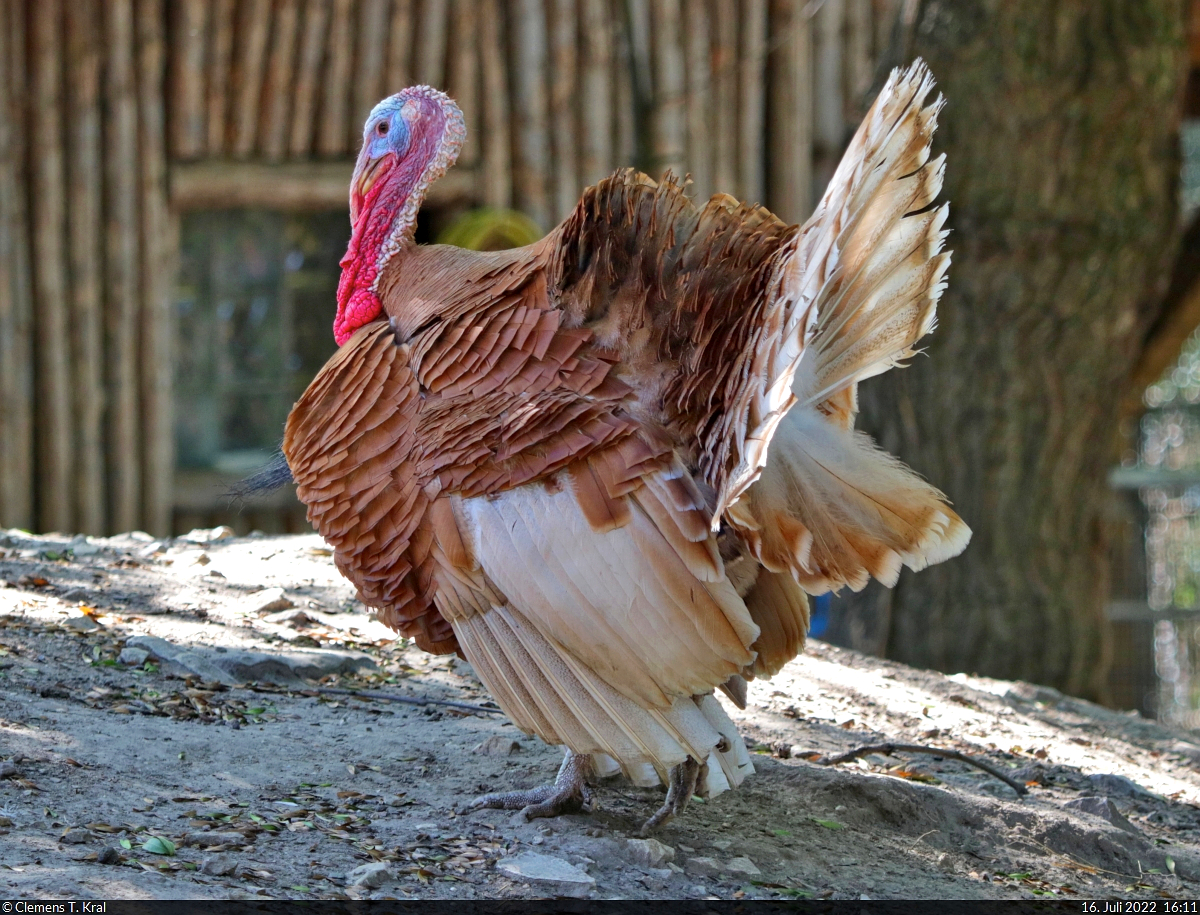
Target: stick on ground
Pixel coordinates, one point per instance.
(889, 749)
(384, 697)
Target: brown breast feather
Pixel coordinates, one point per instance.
(613, 348)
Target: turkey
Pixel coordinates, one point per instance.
(606, 468)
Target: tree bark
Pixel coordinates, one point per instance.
(1060, 130)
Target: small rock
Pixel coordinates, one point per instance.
(498, 745)
(8, 769)
(698, 890)
(370, 875)
(201, 559)
(75, 837)
(133, 657)
(742, 867)
(649, 852)
(75, 595)
(1188, 750)
(703, 867)
(108, 855)
(220, 866)
(153, 549)
(268, 600)
(1027, 774)
(82, 624)
(657, 879)
(1117, 786)
(721, 844)
(294, 619)
(236, 666)
(209, 839)
(208, 535)
(82, 546)
(5, 822)
(553, 875)
(1105, 809)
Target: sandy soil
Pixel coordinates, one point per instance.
(147, 780)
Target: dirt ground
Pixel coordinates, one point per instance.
(221, 757)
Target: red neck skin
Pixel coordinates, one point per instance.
(358, 304)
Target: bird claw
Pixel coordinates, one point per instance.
(569, 794)
(545, 801)
(680, 788)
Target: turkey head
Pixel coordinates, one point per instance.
(409, 141)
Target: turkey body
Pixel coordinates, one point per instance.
(607, 467)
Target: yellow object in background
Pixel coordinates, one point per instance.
(490, 229)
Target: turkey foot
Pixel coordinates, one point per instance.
(568, 794)
(681, 787)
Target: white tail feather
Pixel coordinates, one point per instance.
(829, 506)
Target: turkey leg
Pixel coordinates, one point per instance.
(568, 794)
(682, 785)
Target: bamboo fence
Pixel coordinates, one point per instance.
(117, 115)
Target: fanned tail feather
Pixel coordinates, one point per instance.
(829, 505)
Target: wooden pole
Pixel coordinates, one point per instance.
(751, 121)
(187, 79)
(86, 185)
(885, 17)
(497, 134)
(158, 256)
(624, 104)
(828, 106)
(121, 307)
(641, 74)
(55, 451)
(532, 166)
(331, 139)
(464, 76)
(400, 46)
(790, 143)
(699, 97)
(254, 29)
(725, 108)
(308, 74)
(669, 129)
(858, 64)
(596, 149)
(16, 337)
(220, 65)
(431, 44)
(369, 59)
(277, 97)
(563, 107)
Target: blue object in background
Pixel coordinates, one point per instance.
(818, 620)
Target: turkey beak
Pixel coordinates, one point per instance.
(367, 172)
(366, 178)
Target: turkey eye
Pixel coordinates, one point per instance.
(382, 128)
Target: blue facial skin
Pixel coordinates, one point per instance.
(387, 134)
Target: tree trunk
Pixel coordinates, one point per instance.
(1060, 130)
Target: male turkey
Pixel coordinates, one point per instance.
(605, 468)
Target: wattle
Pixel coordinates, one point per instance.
(362, 308)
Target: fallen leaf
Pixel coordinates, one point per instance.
(828, 824)
(157, 845)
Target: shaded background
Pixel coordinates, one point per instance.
(173, 180)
